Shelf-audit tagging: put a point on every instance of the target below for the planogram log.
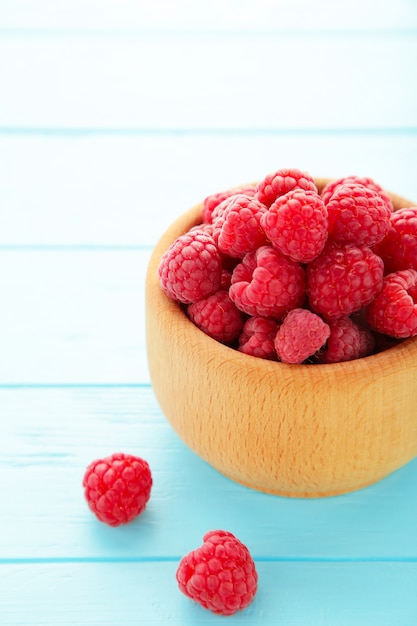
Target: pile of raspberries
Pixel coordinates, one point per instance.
(284, 271)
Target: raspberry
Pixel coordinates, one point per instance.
(296, 225)
(212, 201)
(267, 284)
(117, 487)
(394, 310)
(281, 182)
(217, 316)
(238, 230)
(331, 187)
(301, 334)
(226, 279)
(398, 249)
(220, 575)
(347, 341)
(203, 227)
(257, 337)
(343, 279)
(357, 215)
(191, 268)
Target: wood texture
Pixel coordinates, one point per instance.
(303, 431)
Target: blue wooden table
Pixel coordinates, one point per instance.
(115, 117)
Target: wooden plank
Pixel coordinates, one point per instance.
(125, 189)
(50, 435)
(209, 81)
(208, 15)
(72, 316)
(317, 594)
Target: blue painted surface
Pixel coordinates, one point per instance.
(114, 119)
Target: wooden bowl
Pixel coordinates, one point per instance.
(291, 430)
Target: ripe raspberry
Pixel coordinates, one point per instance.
(191, 268)
(347, 341)
(212, 201)
(343, 279)
(331, 187)
(301, 334)
(267, 284)
(398, 249)
(281, 182)
(257, 337)
(217, 316)
(117, 487)
(296, 225)
(357, 215)
(220, 575)
(203, 227)
(226, 279)
(238, 230)
(393, 311)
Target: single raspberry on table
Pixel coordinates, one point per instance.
(398, 249)
(117, 487)
(191, 267)
(343, 279)
(329, 189)
(238, 230)
(300, 336)
(282, 181)
(296, 225)
(347, 341)
(357, 215)
(220, 575)
(268, 284)
(393, 311)
(257, 337)
(217, 316)
(210, 203)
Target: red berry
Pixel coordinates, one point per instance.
(220, 575)
(331, 187)
(357, 215)
(117, 487)
(191, 267)
(347, 341)
(281, 182)
(203, 227)
(238, 230)
(398, 249)
(394, 309)
(226, 279)
(267, 284)
(211, 202)
(257, 337)
(343, 279)
(217, 316)
(301, 334)
(296, 225)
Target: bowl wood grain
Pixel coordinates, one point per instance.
(291, 430)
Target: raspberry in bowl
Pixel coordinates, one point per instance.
(341, 419)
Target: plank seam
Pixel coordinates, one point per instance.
(201, 131)
(210, 33)
(176, 558)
